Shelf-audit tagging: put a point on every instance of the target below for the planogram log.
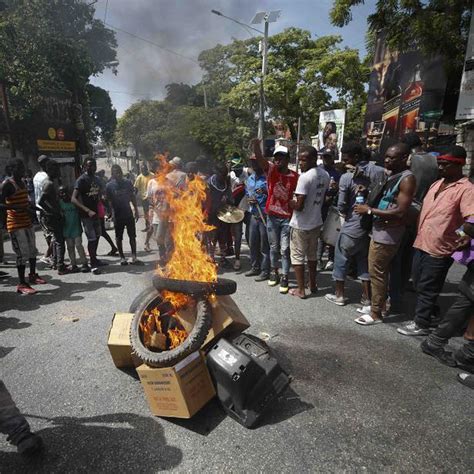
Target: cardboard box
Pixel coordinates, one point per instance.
(226, 319)
(119, 341)
(179, 391)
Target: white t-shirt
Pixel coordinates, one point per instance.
(38, 184)
(313, 184)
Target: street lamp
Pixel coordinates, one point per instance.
(266, 17)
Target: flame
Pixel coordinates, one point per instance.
(185, 210)
(176, 336)
(151, 324)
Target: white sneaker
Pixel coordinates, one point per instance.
(329, 265)
(364, 309)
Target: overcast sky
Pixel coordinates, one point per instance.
(188, 27)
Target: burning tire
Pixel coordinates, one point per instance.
(143, 296)
(221, 287)
(167, 358)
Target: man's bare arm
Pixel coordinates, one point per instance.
(262, 162)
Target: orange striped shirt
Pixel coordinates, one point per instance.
(18, 219)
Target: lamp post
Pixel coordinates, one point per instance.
(266, 17)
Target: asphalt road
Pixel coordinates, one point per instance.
(362, 398)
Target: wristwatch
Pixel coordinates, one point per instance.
(369, 211)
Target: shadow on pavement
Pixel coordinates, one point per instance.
(4, 351)
(65, 291)
(12, 323)
(122, 442)
(205, 421)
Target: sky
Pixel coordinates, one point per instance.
(188, 27)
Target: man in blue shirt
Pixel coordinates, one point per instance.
(120, 194)
(257, 193)
(353, 241)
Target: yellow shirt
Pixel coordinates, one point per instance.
(141, 183)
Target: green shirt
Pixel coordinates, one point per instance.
(72, 223)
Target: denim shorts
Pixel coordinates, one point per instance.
(346, 248)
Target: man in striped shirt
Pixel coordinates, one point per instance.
(19, 226)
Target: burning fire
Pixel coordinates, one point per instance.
(184, 208)
(154, 334)
(188, 260)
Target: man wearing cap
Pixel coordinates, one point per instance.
(281, 183)
(177, 176)
(447, 205)
(38, 183)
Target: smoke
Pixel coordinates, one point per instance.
(187, 27)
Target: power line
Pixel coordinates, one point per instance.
(152, 43)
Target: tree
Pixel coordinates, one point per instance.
(150, 126)
(49, 47)
(304, 76)
(101, 113)
(436, 27)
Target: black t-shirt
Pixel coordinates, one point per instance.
(49, 201)
(90, 189)
(120, 194)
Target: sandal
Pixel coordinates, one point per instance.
(25, 289)
(294, 292)
(367, 320)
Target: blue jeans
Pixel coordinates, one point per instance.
(347, 247)
(279, 238)
(429, 275)
(259, 248)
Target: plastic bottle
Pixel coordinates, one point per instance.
(360, 197)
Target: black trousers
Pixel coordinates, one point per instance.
(429, 275)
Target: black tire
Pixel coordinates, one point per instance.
(192, 343)
(146, 294)
(221, 287)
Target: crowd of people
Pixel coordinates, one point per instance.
(404, 225)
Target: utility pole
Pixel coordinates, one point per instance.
(261, 120)
(266, 17)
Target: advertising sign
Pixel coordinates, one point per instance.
(465, 109)
(331, 129)
(57, 133)
(406, 94)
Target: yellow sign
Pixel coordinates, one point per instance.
(55, 145)
(51, 133)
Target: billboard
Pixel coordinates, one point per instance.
(57, 133)
(406, 94)
(331, 129)
(465, 109)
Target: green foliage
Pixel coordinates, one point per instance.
(102, 114)
(151, 126)
(434, 26)
(304, 76)
(49, 47)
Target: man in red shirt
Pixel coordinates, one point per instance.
(447, 205)
(281, 183)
